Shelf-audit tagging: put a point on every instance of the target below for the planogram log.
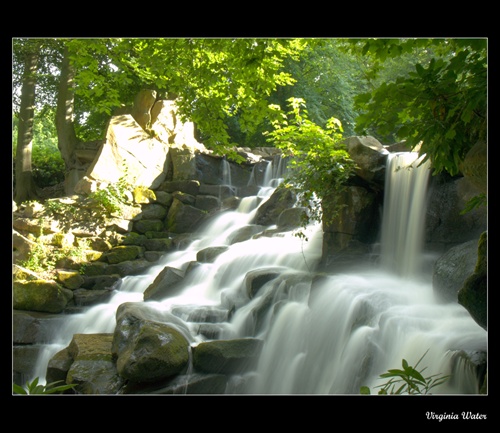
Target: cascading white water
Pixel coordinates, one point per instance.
(327, 335)
(403, 223)
(204, 286)
(226, 173)
(352, 328)
(355, 327)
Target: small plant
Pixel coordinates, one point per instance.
(56, 208)
(408, 380)
(37, 258)
(113, 197)
(34, 387)
(321, 164)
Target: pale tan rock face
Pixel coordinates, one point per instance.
(140, 154)
(131, 154)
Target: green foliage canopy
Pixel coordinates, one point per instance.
(441, 104)
(213, 79)
(228, 85)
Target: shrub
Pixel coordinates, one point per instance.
(408, 380)
(34, 387)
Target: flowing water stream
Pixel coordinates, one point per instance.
(327, 334)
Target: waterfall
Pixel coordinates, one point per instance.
(226, 178)
(226, 173)
(322, 334)
(274, 171)
(211, 282)
(353, 327)
(403, 220)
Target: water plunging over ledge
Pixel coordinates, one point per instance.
(322, 334)
(353, 327)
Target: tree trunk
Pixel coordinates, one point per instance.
(25, 188)
(67, 140)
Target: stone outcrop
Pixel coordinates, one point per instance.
(452, 269)
(40, 295)
(348, 236)
(130, 154)
(370, 157)
(474, 293)
(141, 110)
(357, 221)
(149, 352)
(445, 223)
(282, 199)
(227, 356)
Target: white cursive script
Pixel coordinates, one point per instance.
(470, 415)
(464, 415)
(441, 416)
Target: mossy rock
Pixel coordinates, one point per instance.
(123, 253)
(227, 356)
(40, 295)
(143, 194)
(69, 279)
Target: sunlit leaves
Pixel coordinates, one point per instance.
(214, 78)
(320, 164)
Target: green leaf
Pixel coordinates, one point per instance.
(413, 380)
(450, 134)
(18, 389)
(410, 371)
(364, 390)
(474, 202)
(393, 373)
(400, 389)
(420, 69)
(39, 389)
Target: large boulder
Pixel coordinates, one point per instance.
(227, 356)
(164, 120)
(129, 154)
(91, 365)
(147, 349)
(356, 217)
(164, 284)
(474, 293)
(141, 110)
(370, 157)
(452, 269)
(40, 295)
(183, 218)
(166, 123)
(446, 224)
(268, 213)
